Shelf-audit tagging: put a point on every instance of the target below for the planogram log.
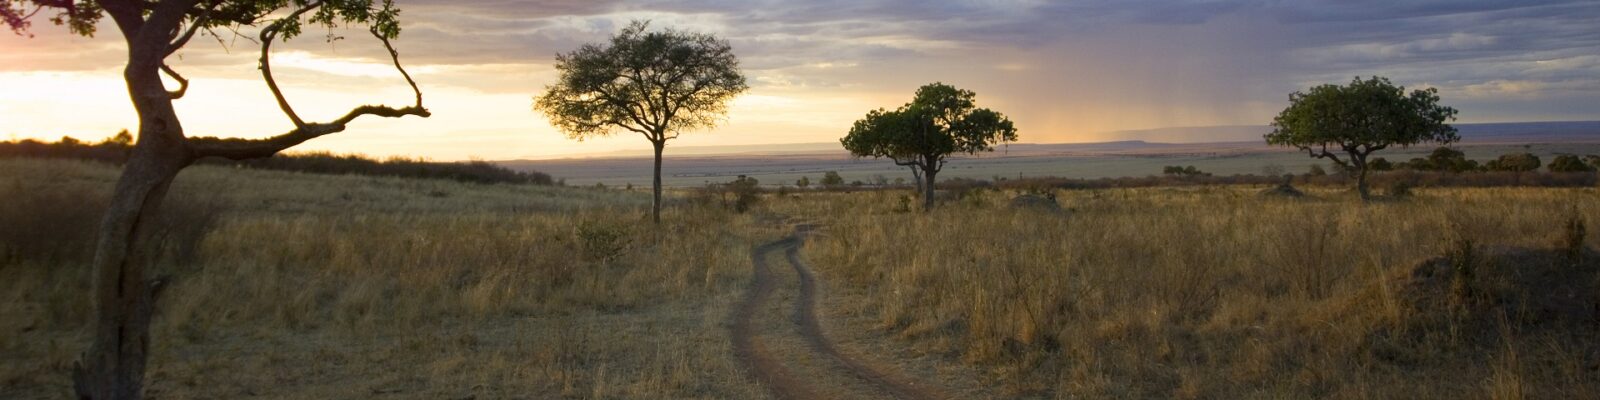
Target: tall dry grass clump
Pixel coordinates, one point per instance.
(1217, 292)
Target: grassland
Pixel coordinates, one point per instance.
(291, 285)
(286, 285)
(1220, 292)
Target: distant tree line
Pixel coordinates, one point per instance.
(1445, 159)
(1408, 177)
(116, 150)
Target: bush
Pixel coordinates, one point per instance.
(1189, 171)
(1569, 163)
(746, 193)
(1514, 162)
(1380, 164)
(599, 242)
(116, 150)
(1316, 170)
(832, 179)
(1442, 159)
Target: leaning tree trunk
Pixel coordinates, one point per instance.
(927, 189)
(916, 177)
(1360, 163)
(655, 202)
(113, 368)
(1361, 185)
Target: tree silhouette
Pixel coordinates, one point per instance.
(656, 84)
(1359, 119)
(941, 120)
(113, 368)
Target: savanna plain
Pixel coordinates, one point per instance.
(293, 285)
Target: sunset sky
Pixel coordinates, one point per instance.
(1065, 71)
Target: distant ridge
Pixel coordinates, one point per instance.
(1469, 132)
(1233, 136)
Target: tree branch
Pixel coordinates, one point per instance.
(194, 26)
(267, 35)
(183, 83)
(1324, 153)
(239, 149)
(394, 55)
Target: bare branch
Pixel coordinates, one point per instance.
(267, 35)
(395, 56)
(183, 83)
(239, 149)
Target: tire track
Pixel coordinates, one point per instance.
(783, 382)
(755, 357)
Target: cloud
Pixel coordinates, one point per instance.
(1064, 69)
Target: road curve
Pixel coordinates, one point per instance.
(770, 371)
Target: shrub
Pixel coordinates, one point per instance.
(1442, 159)
(1514, 162)
(746, 193)
(1188, 171)
(117, 148)
(832, 179)
(1316, 170)
(600, 242)
(1401, 188)
(1380, 164)
(1569, 163)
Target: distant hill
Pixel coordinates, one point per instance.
(1225, 150)
(1183, 139)
(1490, 132)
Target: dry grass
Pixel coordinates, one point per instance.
(1217, 292)
(305, 286)
(309, 286)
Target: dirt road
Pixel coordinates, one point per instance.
(794, 357)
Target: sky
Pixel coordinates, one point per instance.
(1064, 71)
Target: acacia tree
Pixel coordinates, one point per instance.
(657, 84)
(1359, 119)
(941, 120)
(113, 367)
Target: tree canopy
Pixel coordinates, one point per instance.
(1347, 123)
(939, 121)
(655, 83)
(658, 84)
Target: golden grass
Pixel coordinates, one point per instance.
(1211, 292)
(311, 286)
